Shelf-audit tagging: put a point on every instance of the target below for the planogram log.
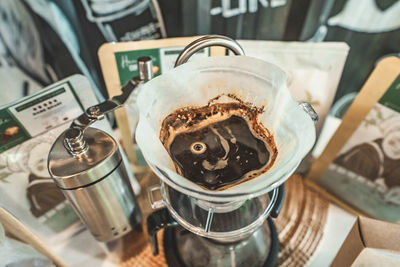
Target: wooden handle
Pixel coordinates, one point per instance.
(19, 230)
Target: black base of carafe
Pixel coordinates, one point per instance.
(174, 260)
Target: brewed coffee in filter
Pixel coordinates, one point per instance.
(253, 81)
(218, 145)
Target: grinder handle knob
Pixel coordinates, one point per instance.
(156, 221)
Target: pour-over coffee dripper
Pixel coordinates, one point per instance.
(235, 215)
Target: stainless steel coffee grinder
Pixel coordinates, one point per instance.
(86, 164)
(231, 227)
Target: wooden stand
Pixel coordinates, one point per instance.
(111, 76)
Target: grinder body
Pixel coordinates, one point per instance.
(96, 183)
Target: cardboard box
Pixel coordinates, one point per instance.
(370, 243)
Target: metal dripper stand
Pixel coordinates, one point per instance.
(199, 232)
(206, 229)
(87, 166)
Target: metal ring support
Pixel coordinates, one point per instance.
(207, 41)
(224, 41)
(232, 235)
(310, 111)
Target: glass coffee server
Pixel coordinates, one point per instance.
(231, 227)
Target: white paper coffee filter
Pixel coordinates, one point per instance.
(194, 84)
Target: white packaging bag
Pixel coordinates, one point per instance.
(26, 188)
(313, 69)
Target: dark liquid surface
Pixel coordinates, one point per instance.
(219, 154)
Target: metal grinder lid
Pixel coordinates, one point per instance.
(95, 161)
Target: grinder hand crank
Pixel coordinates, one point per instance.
(97, 112)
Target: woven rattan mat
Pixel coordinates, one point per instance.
(300, 227)
(301, 223)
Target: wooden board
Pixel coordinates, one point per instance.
(20, 231)
(114, 78)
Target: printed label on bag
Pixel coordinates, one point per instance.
(37, 114)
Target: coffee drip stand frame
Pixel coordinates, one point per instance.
(274, 206)
(165, 218)
(167, 215)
